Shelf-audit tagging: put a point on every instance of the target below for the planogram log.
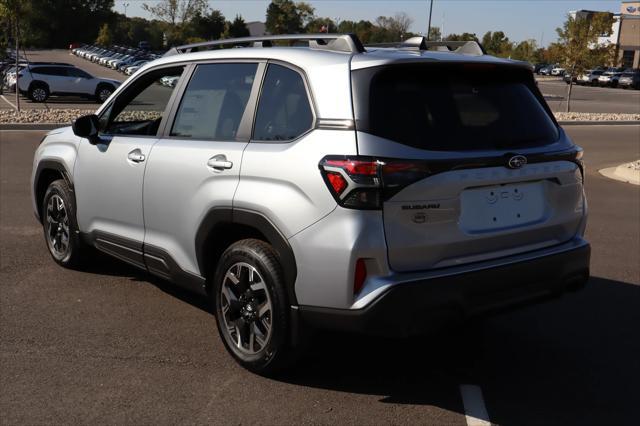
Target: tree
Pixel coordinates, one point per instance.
(525, 51)
(552, 54)
(237, 28)
(12, 13)
(434, 34)
(49, 23)
(393, 28)
(318, 25)
(579, 39)
(104, 36)
(175, 12)
(287, 17)
(462, 37)
(208, 27)
(497, 43)
(361, 28)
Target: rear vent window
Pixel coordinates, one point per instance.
(455, 108)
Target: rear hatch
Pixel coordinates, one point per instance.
(473, 165)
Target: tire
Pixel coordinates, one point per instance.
(103, 92)
(247, 281)
(59, 223)
(38, 92)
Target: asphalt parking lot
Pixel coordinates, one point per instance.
(590, 99)
(110, 344)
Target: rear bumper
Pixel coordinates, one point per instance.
(423, 305)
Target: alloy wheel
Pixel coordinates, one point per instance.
(104, 94)
(39, 94)
(246, 308)
(57, 226)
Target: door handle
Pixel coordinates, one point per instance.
(219, 162)
(136, 156)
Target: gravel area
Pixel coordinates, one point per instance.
(42, 115)
(65, 116)
(595, 116)
(634, 165)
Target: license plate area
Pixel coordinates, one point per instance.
(502, 207)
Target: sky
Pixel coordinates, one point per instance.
(519, 19)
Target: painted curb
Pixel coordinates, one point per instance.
(622, 173)
(32, 126)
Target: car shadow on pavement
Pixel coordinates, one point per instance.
(102, 264)
(569, 360)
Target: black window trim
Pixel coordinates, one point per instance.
(310, 99)
(246, 122)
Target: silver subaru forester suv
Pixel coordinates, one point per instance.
(307, 181)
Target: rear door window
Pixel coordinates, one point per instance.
(453, 108)
(284, 111)
(48, 71)
(214, 102)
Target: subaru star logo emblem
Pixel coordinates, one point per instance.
(631, 9)
(517, 161)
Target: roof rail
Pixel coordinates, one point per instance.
(470, 47)
(335, 42)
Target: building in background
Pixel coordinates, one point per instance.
(629, 37)
(256, 28)
(625, 33)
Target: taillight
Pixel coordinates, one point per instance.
(359, 276)
(366, 182)
(337, 182)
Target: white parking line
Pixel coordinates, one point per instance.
(474, 409)
(7, 101)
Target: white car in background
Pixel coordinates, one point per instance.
(559, 71)
(40, 81)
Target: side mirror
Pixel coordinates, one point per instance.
(86, 127)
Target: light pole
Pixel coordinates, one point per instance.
(125, 5)
(429, 26)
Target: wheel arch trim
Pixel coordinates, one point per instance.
(38, 192)
(233, 216)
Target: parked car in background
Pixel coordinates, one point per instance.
(9, 76)
(630, 78)
(169, 81)
(538, 67)
(590, 77)
(610, 77)
(134, 67)
(558, 70)
(39, 81)
(546, 70)
(568, 78)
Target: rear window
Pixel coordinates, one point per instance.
(456, 108)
